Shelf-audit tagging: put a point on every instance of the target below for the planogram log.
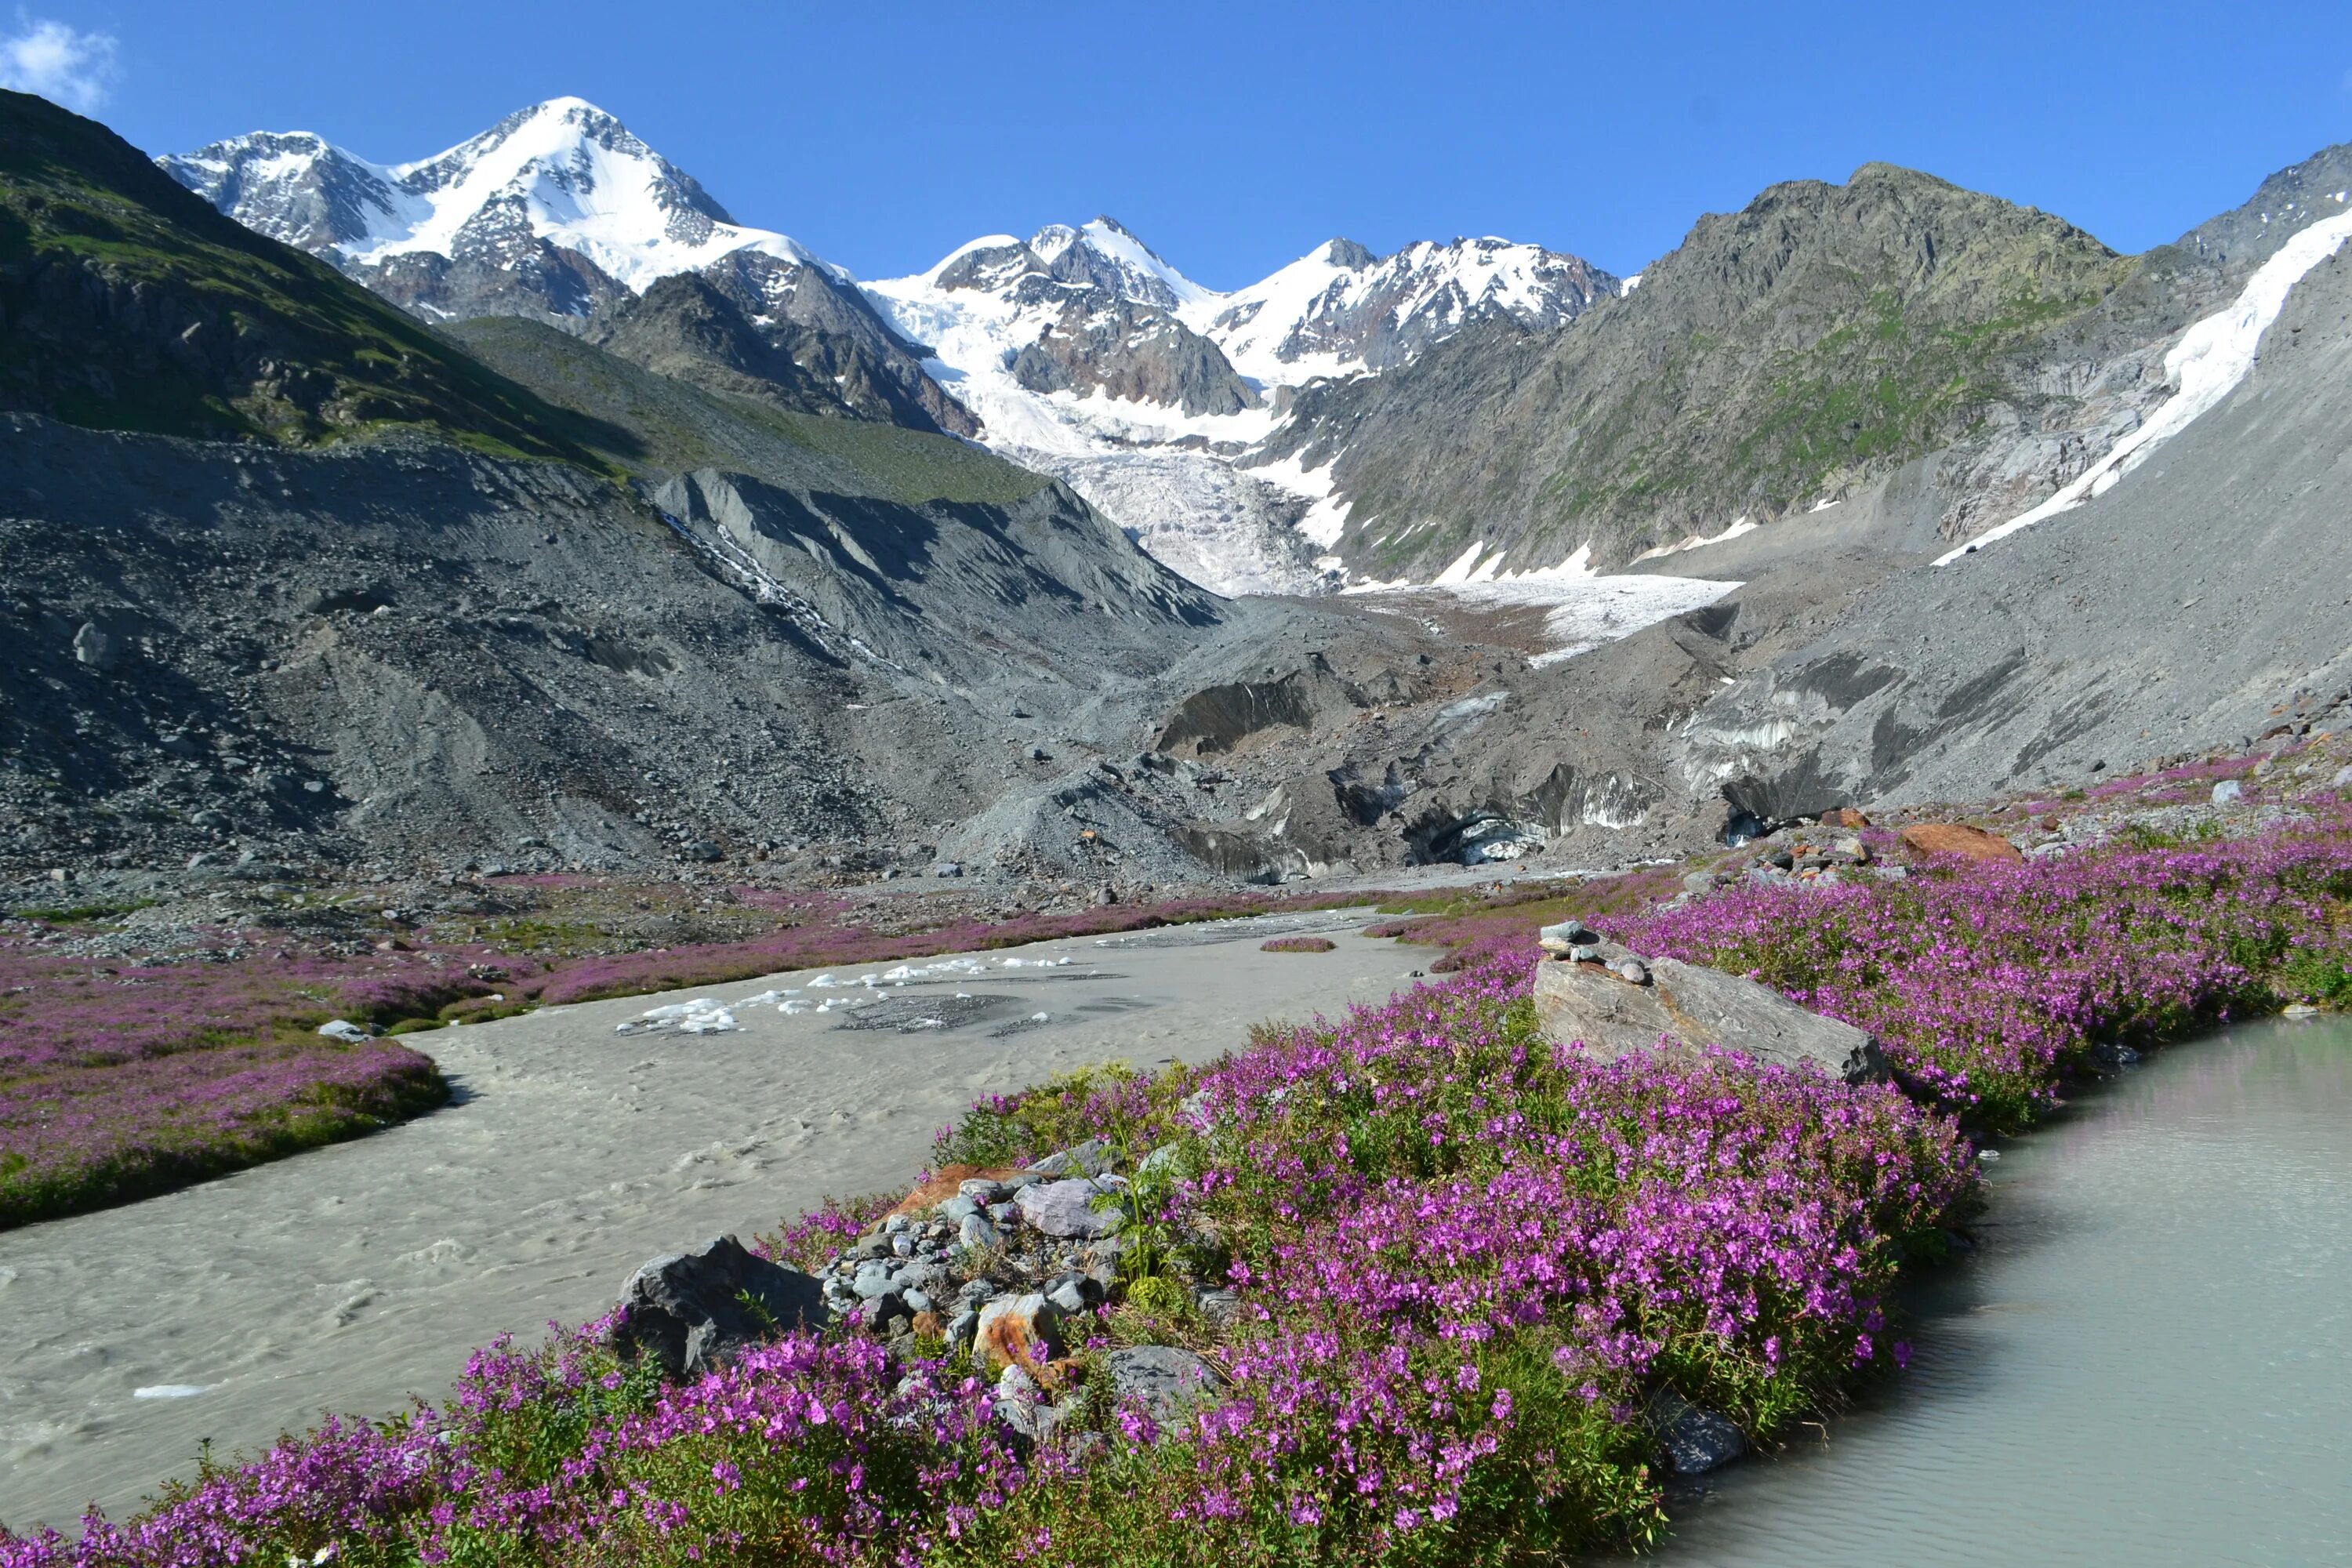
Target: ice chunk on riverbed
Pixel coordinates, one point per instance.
(703, 1016)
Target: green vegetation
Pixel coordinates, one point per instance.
(129, 304)
(655, 424)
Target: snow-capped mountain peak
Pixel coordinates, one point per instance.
(563, 172)
(1339, 309)
(1106, 253)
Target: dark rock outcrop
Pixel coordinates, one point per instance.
(690, 1310)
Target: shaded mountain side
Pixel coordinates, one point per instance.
(128, 304)
(696, 329)
(417, 655)
(1823, 333)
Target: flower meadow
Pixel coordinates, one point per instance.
(118, 1082)
(1464, 1260)
(1988, 988)
(1463, 1256)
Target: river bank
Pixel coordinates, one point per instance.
(2146, 1359)
(352, 1278)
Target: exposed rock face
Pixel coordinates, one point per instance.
(1137, 353)
(1590, 1002)
(757, 327)
(689, 1311)
(2085, 639)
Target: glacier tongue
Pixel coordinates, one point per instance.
(1217, 525)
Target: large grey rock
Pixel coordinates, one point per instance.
(1067, 1209)
(1026, 1407)
(1162, 1379)
(1092, 1158)
(688, 1310)
(1592, 1004)
(94, 648)
(1696, 1441)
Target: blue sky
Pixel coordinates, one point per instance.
(1235, 137)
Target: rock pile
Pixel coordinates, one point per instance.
(1828, 849)
(1014, 1270)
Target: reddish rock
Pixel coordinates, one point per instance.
(1018, 1331)
(1956, 839)
(1844, 817)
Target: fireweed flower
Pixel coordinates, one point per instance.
(1464, 1255)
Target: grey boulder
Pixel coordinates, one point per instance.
(1696, 1441)
(1026, 1407)
(93, 648)
(1092, 1158)
(692, 1310)
(1161, 1379)
(1608, 1013)
(1067, 1209)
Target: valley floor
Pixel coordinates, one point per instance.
(350, 1278)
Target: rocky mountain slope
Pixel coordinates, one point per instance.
(2203, 599)
(1783, 357)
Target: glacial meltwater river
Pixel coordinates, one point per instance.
(2147, 1361)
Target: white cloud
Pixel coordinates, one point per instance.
(67, 67)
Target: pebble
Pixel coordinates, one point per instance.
(2229, 792)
